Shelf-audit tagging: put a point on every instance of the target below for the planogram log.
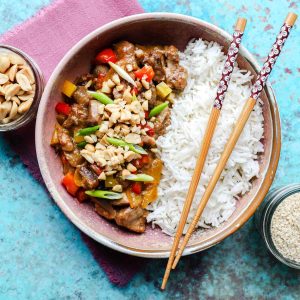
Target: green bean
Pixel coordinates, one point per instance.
(88, 130)
(101, 97)
(139, 177)
(121, 143)
(104, 194)
(158, 109)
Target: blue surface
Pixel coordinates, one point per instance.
(41, 253)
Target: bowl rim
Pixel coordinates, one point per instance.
(268, 174)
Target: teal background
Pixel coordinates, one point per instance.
(41, 253)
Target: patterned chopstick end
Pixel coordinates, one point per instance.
(273, 55)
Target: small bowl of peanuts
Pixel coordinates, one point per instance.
(21, 88)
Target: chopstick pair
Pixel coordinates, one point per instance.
(244, 116)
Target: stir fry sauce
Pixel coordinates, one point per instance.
(107, 126)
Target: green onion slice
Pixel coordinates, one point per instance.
(121, 143)
(139, 177)
(104, 194)
(122, 73)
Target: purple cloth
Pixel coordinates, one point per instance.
(46, 37)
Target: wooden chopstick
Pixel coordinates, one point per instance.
(255, 92)
(212, 122)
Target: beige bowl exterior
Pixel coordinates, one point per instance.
(158, 28)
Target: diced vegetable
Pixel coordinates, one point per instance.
(68, 88)
(134, 98)
(121, 143)
(149, 193)
(158, 109)
(139, 177)
(122, 73)
(101, 97)
(110, 182)
(69, 183)
(105, 56)
(163, 90)
(146, 73)
(54, 139)
(150, 130)
(87, 130)
(145, 159)
(104, 194)
(81, 144)
(63, 108)
(139, 163)
(78, 138)
(134, 90)
(136, 187)
(78, 178)
(146, 114)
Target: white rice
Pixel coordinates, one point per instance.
(180, 146)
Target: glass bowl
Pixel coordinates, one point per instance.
(263, 218)
(39, 82)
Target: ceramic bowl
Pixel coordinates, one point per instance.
(157, 28)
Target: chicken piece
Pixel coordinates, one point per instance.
(81, 95)
(162, 122)
(74, 158)
(78, 116)
(64, 139)
(100, 70)
(172, 53)
(176, 75)
(132, 219)
(153, 101)
(93, 112)
(89, 178)
(105, 209)
(126, 54)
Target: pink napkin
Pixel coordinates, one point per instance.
(46, 37)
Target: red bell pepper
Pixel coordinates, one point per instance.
(139, 163)
(146, 73)
(105, 56)
(135, 90)
(63, 108)
(146, 114)
(136, 187)
(69, 183)
(150, 131)
(145, 159)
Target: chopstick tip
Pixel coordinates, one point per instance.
(241, 24)
(291, 18)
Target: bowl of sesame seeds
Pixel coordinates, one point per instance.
(278, 220)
